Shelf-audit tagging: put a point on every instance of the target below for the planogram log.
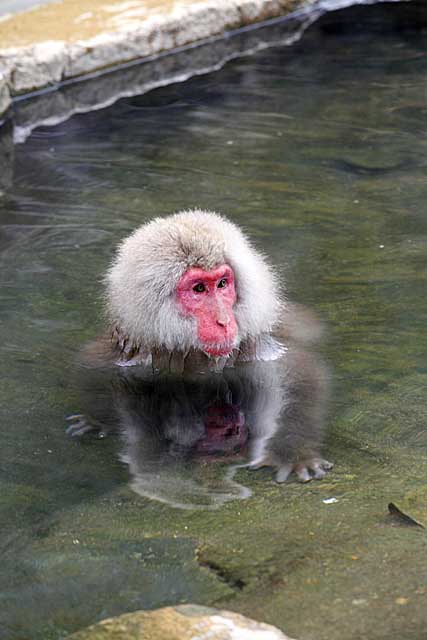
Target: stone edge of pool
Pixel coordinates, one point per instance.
(36, 66)
(48, 64)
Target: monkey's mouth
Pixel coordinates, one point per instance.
(218, 350)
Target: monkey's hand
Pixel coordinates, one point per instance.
(305, 470)
(80, 426)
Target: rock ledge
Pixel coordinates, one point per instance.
(73, 42)
(184, 622)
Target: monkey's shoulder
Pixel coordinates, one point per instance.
(264, 348)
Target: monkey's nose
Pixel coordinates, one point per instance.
(222, 319)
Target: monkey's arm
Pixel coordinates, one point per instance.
(94, 378)
(295, 441)
(111, 349)
(299, 325)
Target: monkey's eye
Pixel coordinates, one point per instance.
(199, 288)
(222, 283)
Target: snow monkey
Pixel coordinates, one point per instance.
(192, 283)
(199, 310)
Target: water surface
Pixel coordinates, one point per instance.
(319, 152)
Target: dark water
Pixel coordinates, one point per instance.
(319, 152)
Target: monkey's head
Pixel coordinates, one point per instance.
(190, 281)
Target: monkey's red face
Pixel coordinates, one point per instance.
(209, 296)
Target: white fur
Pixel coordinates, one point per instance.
(142, 281)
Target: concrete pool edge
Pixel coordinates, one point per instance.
(45, 63)
(100, 90)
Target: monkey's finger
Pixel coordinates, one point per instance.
(76, 425)
(75, 416)
(315, 463)
(265, 461)
(303, 474)
(318, 472)
(283, 473)
(78, 429)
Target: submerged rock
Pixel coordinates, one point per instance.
(184, 622)
(411, 508)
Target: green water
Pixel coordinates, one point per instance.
(319, 152)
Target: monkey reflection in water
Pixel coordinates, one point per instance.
(203, 361)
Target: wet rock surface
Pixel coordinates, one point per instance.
(105, 89)
(186, 622)
(51, 44)
(61, 41)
